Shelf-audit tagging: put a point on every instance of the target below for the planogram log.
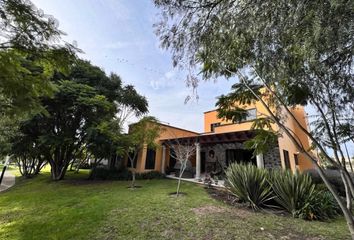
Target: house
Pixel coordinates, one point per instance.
(222, 143)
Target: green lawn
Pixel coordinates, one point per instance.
(79, 209)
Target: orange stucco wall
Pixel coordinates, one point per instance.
(167, 132)
(210, 117)
(227, 126)
(284, 141)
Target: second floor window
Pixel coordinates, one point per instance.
(252, 114)
(213, 126)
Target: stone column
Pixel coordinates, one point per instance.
(260, 161)
(163, 161)
(197, 161)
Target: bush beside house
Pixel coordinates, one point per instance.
(123, 174)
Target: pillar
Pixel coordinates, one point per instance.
(163, 162)
(260, 161)
(198, 163)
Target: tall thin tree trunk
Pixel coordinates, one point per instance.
(350, 162)
(181, 171)
(133, 180)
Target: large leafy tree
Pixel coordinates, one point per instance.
(78, 117)
(30, 50)
(298, 52)
(73, 110)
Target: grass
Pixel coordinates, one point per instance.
(79, 209)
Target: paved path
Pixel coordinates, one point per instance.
(8, 181)
(221, 183)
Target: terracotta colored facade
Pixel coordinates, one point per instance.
(218, 132)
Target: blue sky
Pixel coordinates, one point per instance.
(117, 35)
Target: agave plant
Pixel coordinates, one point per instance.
(249, 184)
(293, 191)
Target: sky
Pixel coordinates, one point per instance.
(118, 36)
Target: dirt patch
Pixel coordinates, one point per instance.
(180, 194)
(224, 196)
(206, 210)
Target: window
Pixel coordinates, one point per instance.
(213, 126)
(150, 159)
(239, 156)
(286, 159)
(251, 114)
(131, 155)
(296, 158)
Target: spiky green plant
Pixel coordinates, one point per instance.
(292, 191)
(321, 206)
(249, 184)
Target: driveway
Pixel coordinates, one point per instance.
(8, 181)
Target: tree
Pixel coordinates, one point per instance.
(182, 152)
(297, 52)
(30, 51)
(105, 142)
(77, 118)
(27, 150)
(131, 104)
(74, 109)
(141, 134)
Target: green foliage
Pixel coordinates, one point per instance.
(296, 193)
(292, 191)
(262, 142)
(321, 206)
(249, 184)
(333, 177)
(301, 51)
(143, 132)
(299, 195)
(30, 52)
(228, 108)
(80, 117)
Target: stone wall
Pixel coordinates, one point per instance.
(271, 158)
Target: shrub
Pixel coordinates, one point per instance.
(334, 178)
(123, 174)
(249, 184)
(151, 175)
(292, 190)
(299, 195)
(321, 206)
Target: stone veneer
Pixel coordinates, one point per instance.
(271, 158)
